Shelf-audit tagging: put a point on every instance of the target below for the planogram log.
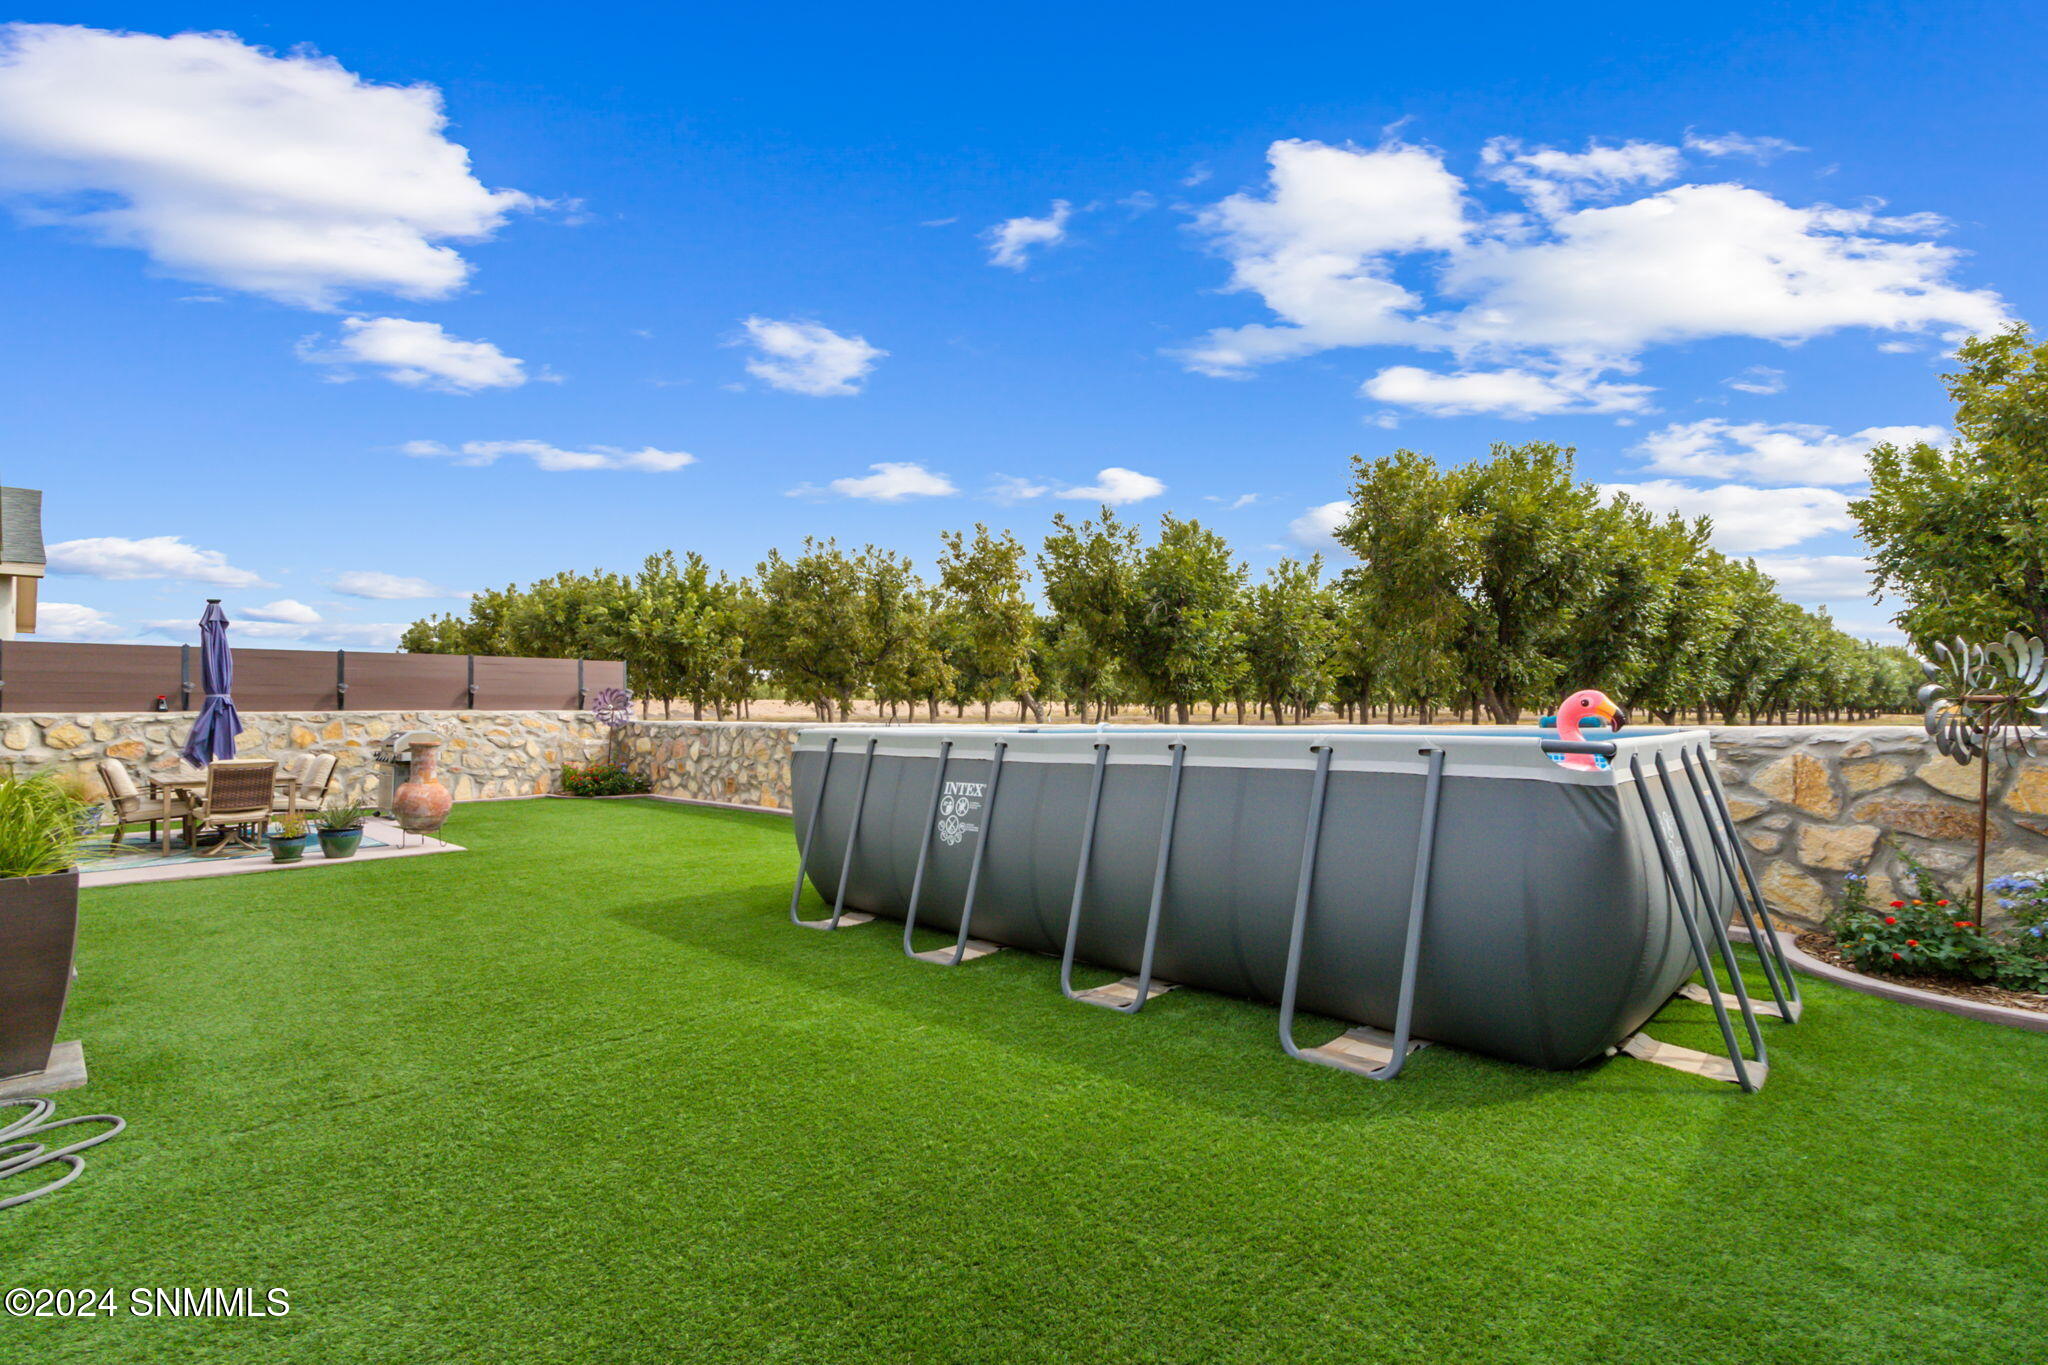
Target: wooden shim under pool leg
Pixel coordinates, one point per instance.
(1122, 994)
(846, 919)
(972, 949)
(1695, 992)
(1362, 1049)
(1714, 1067)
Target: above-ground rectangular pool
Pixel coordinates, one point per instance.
(1460, 886)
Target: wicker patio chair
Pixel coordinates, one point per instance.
(132, 807)
(240, 796)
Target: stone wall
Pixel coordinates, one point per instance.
(735, 762)
(484, 754)
(1814, 803)
(1818, 803)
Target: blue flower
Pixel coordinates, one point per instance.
(2006, 905)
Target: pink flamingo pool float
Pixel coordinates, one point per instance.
(1573, 711)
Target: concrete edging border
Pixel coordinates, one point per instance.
(2035, 1021)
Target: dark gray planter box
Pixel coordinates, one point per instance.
(38, 932)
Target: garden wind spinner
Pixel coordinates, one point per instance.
(1985, 701)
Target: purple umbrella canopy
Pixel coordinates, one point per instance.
(213, 733)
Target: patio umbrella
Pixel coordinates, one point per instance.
(213, 733)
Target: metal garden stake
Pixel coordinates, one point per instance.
(1985, 701)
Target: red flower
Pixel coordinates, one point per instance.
(1941, 902)
(1919, 902)
(1962, 924)
(1898, 905)
(1912, 943)
(1898, 957)
(1891, 919)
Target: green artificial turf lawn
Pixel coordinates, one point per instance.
(582, 1093)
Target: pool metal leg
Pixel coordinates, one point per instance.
(1716, 922)
(841, 917)
(1784, 994)
(966, 949)
(1128, 995)
(1119, 992)
(1761, 932)
(1734, 1067)
(1368, 1052)
(924, 847)
(803, 853)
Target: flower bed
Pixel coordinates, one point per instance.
(601, 779)
(1936, 942)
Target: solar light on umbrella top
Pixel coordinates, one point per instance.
(1986, 702)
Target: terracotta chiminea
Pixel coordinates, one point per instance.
(422, 803)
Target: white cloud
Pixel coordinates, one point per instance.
(1699, 261)
(288, 177)
(1747, 518)
(1316, 529)
(1897, 347)
(807, 357)
(552, 458)
(1114, 485)
(251, 629)
(70, 621)
(1011, 241)
(1819, 580)
(116, 557)
(1010, 488)
(1579, 291)
(1242, 500)
(1318, 249)
(1757, 379)
(1772, 453)
(387, 587)
(1735, 144)
(1550, 179)
(891, 481)
(419, 354)
(1510, 393)
(286, 610)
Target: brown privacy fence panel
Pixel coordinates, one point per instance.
(50, 675)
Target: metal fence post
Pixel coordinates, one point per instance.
(184, 677)
(472, 682)
(341, 680)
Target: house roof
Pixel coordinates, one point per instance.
(21, 526)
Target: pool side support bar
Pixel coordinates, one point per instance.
(840, 918)
(1117, 992)
(924, 846)
(1128, 995)
(1785, 1008)
(1363, 1051)
(803, 852)
(965, 948)
(1734, 1067)
(1767, 942)
(1715, 921)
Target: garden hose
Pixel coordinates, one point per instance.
(18, 1154)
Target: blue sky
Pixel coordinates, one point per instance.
(715, 281)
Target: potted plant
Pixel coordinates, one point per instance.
(38, 916)
(85, 794)
(288, 841)
(341, 830)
